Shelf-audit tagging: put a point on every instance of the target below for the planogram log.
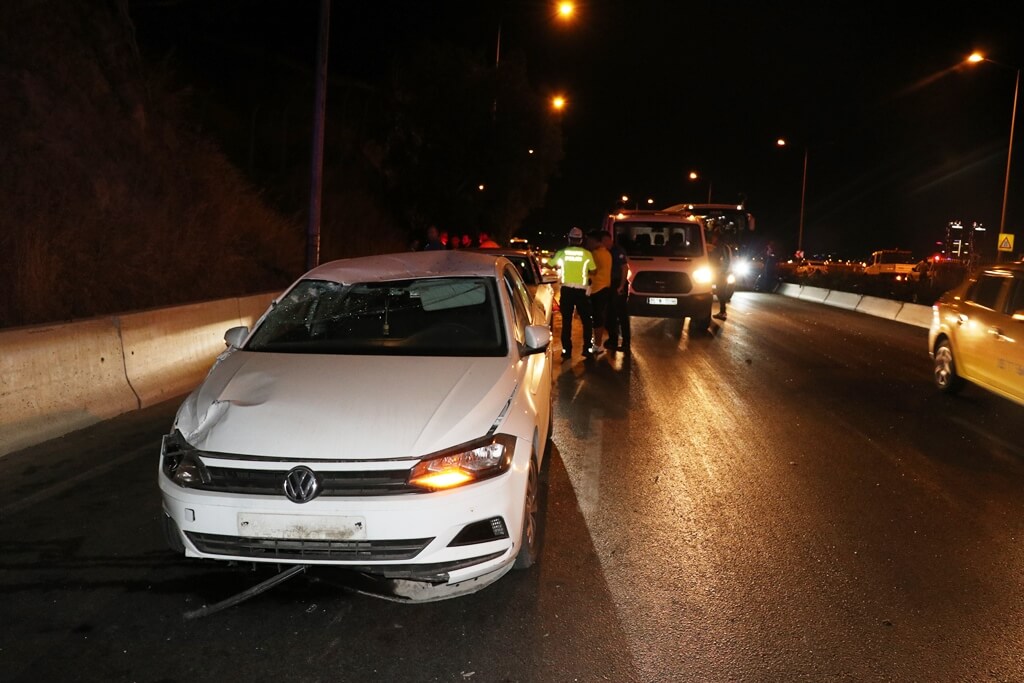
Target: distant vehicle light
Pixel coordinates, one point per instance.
(741, 268)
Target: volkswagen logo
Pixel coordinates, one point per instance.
(301, 485)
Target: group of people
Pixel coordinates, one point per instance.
(593, 284)
(438, 240)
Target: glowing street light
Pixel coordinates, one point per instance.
(781, 142)
(558, 102)
(977, 58)
(625, 198)
(566, 10)
(694, 176)
(650, 201)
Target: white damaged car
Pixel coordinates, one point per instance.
(387, 414)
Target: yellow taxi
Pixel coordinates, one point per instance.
(977, 333)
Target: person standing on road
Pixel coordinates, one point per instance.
(600, 286)
(719, 258)
(433, 242)
(618, 311)
(486, 242)
(575, 266)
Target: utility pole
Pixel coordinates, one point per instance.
(317, 167)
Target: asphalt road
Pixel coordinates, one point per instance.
(785, 499)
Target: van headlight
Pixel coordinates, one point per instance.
(472, 462)
(702, 275)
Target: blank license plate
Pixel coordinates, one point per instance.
(662, 301)
(312, 527)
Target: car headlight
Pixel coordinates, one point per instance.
(730, 279)
(472, 462)
(702, 275)
(741, 268)
(180, 461)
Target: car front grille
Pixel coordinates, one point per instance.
(271, 482)
(661, 282)
(292, 549)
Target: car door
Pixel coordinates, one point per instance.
(1008, 342)
(978, 327)
(532, 366)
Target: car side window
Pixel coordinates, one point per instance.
(1016, 298)
(985, 292)
(520, 310)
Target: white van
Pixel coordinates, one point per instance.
(669, 273)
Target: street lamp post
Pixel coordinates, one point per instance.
(694, 176)
(781, 142)
(975, 58)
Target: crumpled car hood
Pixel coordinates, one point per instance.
(344, 407)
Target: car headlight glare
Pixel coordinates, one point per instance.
(702, 275)
(466, 464)
(181, 463)
(741, 268)
(730, 279)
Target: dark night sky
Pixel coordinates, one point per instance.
(899, 141)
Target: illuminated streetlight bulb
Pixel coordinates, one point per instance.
(976, 57)
(693, 175)
(780, 142)
(480, 187)
(558, 102)
(650, 201)
(625, 197)
(566, 10)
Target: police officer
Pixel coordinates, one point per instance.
(575, 266)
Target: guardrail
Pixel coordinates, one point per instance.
(55, 379)
(900, 311)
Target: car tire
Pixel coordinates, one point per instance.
(172, 535)
(946, 378)
(529, 538)
(699, 325)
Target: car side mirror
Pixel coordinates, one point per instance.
(538, 337)
(235, 336)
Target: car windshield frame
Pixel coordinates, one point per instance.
(428, 316)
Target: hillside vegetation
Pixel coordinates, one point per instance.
(110, 201)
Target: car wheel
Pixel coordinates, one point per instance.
(699, 325)
(946, 378)
(172, 536)
(529, 538)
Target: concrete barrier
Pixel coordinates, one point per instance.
(813, 294)
(250, 308)
(789, 289)
(847, 300)
(915, 314)
(912, 314)
(55, 379)
(882, 308)
(168, 351)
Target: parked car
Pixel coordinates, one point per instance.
(387, 414)
(539, 283)
(977, 333)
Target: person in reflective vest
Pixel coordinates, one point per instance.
(575, 267)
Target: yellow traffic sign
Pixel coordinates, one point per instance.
(1005, 241)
